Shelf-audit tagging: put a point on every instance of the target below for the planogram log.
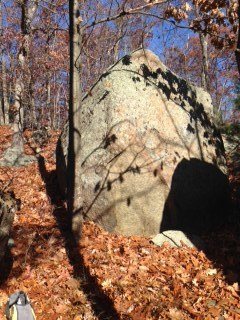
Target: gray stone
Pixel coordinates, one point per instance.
(152, 159)
(230, 143)
(12, 157)
(8, 206)
(177, 238)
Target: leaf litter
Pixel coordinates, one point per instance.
(139, 279)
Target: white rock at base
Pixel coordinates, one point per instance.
(177, 238)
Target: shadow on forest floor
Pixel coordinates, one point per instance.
(101, 305)
(199, 201)
(222, 247)
(6, 265)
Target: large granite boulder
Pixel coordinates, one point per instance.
(151, 158)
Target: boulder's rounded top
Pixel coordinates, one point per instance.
(146, 56)
(141, 57)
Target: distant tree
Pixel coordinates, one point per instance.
(237, 99)
(222, 71)
(4, 103)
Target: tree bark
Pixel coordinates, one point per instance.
(28, 10)
(56, 109)
(19, 89)
(19, 85)
(48, 101)
(205, 81)
(4, 109)
(1, 112)
(18, 121)
(205, 62)
(5, 93)
(31, 103)
(237, 52)
(217, 115)
(75, 101)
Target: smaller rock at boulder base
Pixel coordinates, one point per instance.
(177, 238)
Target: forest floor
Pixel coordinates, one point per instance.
(108, 276)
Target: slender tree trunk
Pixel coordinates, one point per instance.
(55, 109)
(50, 44)
(28, 10)
(48, 101)
(204, 46)
(19, 89)
(75, 101)
(19, 84)
(32, 116)
(31, 9)
(5, 93)
(4, 101)
(205, 76)
(205, 81)
(55, 101)
(59, 118)
(205, 62)
(237, 52)
(1, 112)
(18, 121)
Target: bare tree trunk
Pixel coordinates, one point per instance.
(55, 109)
(204, 46)
(205, 81)
(48, 101)
(1, 112)
(50, 108)
(4, 108)
(205, 76)
(55, 102)
(19, 89)
(18, 121)
(32, 116)
(205, 62)
(5, 93)
(28, 10)
(31, 9)
(59, 118)
(75, 101)
(237, 51)
(19, 85)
